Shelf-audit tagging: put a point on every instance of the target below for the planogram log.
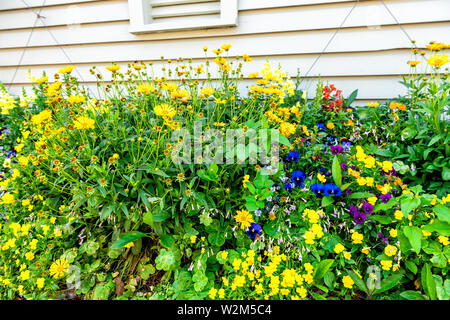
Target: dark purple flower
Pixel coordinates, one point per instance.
(368, 208)
(347, 191)
(343, 166)
(360, 217)
(353, 210)
(385, 197)
(337, 149)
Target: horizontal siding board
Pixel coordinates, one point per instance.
(342, 64)
(382, 38)
(308, 17)
(369, 88)
(280, 44)
(17, 4)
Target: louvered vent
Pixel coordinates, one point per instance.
(173, 15)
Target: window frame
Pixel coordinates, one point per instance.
(141, 19)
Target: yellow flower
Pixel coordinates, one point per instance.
(398, 215)
(330, 125)
(84, 123)
(386, 264)
(413, 63)
(365, 250)
(393, 233)
(24, 275)
(40, 283)
(76, 99)
(212, 293)
(224, 255)
(339, 248)
(113, 68)
(205, 92)
(41, 80)
(357, 237)
(390, 250)
(426, 233)
(226, 47)
(321, 177)
(145, 88)
(438, 60)
(287, 129)
(347, 255)
(193, 239)
(67, 69)
(165, 111)
(373, 104)
(8, 198)
(372, 200)
(444, 240)
(244, 218)
(348, 282)
(129, 245)
(29, 256)
(246, 179)
(138, 66)
(59, 268)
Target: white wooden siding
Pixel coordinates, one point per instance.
(289, 32)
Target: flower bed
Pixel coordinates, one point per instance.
(127, 195)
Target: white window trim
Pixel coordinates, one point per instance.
(141, 18)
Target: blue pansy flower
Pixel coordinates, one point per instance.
(318, 189)
(320, 126)
(292, 156)
(254, 231)
(332, 190)
(288, 186)
(298, 177)
(346, 145)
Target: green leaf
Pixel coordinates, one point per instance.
(380, 219)
(388, 283)
(443, 228)
(336, 171)
(322, 268)
(161, 215)
(148, 218)
(352, 97)
(216, 238)
(428, 282)
(168, 260)
(358, 281)
(385, 206)
(414, 235)
(435, 139)
(166, 240)
(411, 266)
(326, 201)
(442, 212)
(412, 295)
(407, 205)
(126, 238)
(101, 292)
(329, 279)
(360, 195)
(284, 140)
(439, 260)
